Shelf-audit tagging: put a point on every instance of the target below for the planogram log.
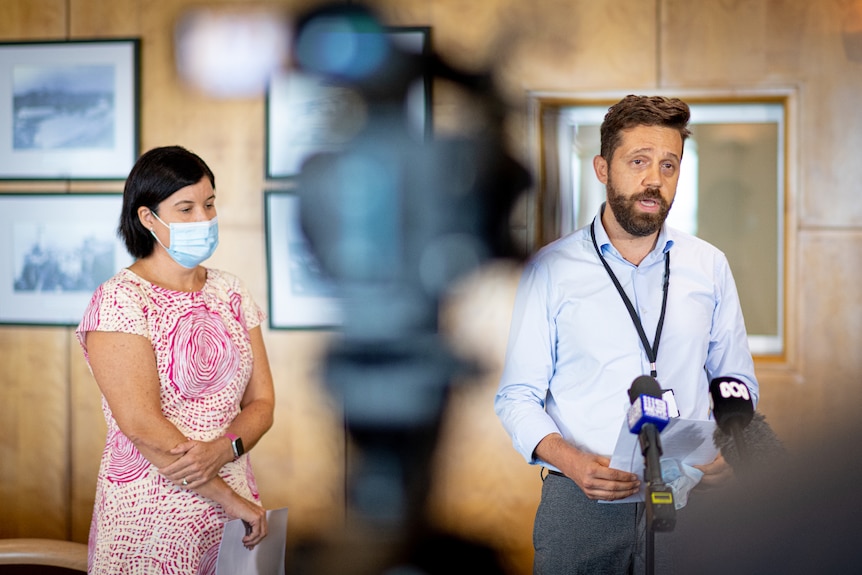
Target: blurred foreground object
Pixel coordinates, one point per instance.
(396, 218)
(797, 514)
(231, 52)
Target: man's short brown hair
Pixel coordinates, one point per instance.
(634, 111)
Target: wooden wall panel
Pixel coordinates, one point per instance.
(100, 19)
(33, 20)
(831, 123)
(831, 327)
(713, 43)
(300, 462)
(34, 423)
(482, 490)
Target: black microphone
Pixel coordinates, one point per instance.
(733, 410)
(647, 416)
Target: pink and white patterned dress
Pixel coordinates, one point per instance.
(143, 523)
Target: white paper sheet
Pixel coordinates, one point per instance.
(686, 441)
(267, 558)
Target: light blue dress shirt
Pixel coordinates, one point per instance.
(574, 351)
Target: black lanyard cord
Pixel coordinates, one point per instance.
(651, 350)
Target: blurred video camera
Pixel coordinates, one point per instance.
(396, 218)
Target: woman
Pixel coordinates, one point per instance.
(177, 351)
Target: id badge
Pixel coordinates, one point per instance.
(672, 409)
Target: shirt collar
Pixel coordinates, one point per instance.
(664, 243)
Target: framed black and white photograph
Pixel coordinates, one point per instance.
(301, 296)
(69, 109)
(307, 114)
(55, 250)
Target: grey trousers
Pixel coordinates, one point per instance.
(574, 535)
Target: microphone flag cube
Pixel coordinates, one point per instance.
(648, 409)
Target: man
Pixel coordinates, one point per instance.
(578, 341)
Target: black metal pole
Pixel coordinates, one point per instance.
(650, 549)
(660, 512)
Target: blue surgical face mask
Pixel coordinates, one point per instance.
(191, 242)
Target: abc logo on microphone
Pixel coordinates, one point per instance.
(733, 389)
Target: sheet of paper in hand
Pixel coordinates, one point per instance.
(267, 558)
(684, 441)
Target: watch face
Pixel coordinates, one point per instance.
(238, 449)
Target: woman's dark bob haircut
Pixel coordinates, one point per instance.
(154, 177)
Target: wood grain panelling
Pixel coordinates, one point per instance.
(572, 46)
(831, 128)
(831, 325)
(50, 415)
(33, 20)
(34, 421)
(100, 19)
(300, 462)
(730, 37)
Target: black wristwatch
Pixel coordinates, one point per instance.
(236, 445)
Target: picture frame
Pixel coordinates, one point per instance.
(300, 295)
(55, 250)
(69, 110)
(307, 115)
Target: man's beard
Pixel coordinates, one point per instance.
(634, 222)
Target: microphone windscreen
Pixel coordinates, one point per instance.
(762, 444)
(644, 385)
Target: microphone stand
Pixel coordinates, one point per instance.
(660, 510)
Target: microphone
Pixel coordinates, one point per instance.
(647, 416)
(764, 447)
(733, 410)
(742, 435)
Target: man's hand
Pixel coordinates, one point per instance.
(598, 480)
(592, 473)
(715, 474)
